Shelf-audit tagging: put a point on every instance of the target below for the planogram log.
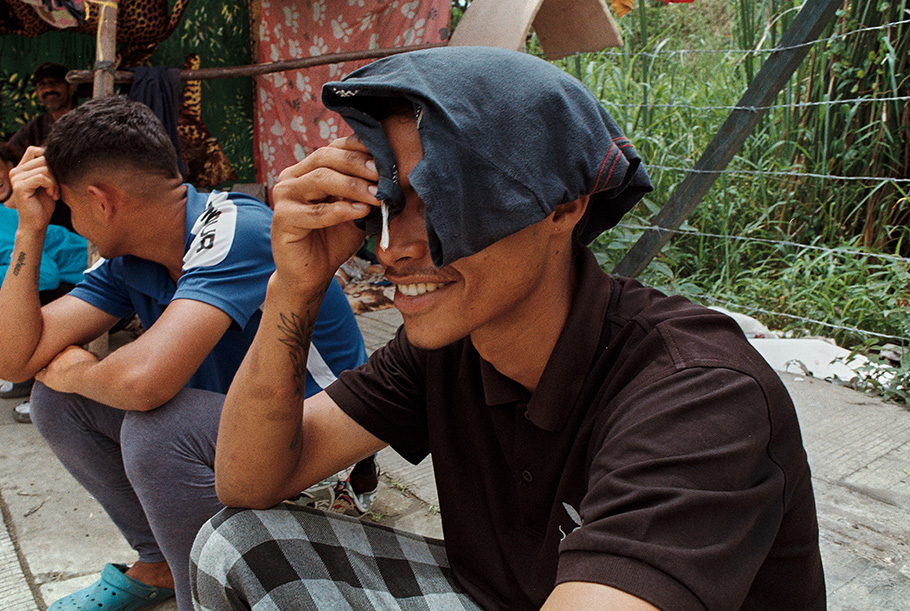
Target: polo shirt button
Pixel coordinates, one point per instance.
(528, 414)
(526, 476)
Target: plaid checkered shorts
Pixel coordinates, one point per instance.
(292, 557)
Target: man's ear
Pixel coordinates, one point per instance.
(568, 215)
(105, 199)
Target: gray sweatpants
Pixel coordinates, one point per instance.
(151, 471)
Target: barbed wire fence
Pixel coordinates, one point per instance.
(874, 182)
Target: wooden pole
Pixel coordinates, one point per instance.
(105, 50)
(774, 74)
(105, 55)
(204, 74)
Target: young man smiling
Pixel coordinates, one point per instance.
(596, 444)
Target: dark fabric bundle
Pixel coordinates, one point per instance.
(506, 138)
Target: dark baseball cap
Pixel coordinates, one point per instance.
(50, 70)
(506, 138)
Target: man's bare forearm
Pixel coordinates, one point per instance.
(296, 334)
(21, 323)
(260, 436)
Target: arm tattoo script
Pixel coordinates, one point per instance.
(20, 261)
(296, 335)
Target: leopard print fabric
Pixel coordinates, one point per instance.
(141, 25)
(206, 163)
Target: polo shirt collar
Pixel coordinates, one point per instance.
(579, 343)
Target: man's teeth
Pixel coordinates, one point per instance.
(412, 290)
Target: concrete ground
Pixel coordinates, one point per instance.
(56, 537)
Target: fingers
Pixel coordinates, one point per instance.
(352, 142)
(346, 155)
(28, 183)
(32, 152)
(33, 174)
(334, 184)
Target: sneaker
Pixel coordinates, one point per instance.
(23, 413)
(351, 495)
(352, 503)
(320, 495)
(17, 390)
(364, 476)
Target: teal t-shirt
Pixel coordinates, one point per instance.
(64, 258)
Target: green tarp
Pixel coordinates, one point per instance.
(218, 31)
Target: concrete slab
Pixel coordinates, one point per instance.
(415, 479)
(379, 327)
(859, 450)
(814, 357)
(60, 530)
(15, 593)
(397, 507)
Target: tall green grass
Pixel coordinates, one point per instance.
(668, 101)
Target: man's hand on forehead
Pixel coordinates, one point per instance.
(343, 172)
(316, 202)
(35, 191)
(32, 176)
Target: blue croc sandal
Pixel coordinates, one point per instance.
(115, 591)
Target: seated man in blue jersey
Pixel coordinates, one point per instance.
(138, 428)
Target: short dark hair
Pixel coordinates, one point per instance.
(7, 154)
(109, 131)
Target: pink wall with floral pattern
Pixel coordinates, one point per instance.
(289, 119)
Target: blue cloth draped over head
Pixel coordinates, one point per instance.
(506, 138)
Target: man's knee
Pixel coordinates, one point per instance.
(49, 410)
(182, 430)
(218, 548)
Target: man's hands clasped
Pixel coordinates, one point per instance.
(316, 202)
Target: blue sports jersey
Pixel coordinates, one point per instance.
(227, 263)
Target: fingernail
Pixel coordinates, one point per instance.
(371, 165)
(373, 189)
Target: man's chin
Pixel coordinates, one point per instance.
(428, 336)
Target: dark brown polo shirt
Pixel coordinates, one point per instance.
(659, 455)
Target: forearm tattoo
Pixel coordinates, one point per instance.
(20, 261)
(297, 333)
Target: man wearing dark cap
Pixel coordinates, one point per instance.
(56, 95)
(596, 444)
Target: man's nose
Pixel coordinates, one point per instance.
(407, 238)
